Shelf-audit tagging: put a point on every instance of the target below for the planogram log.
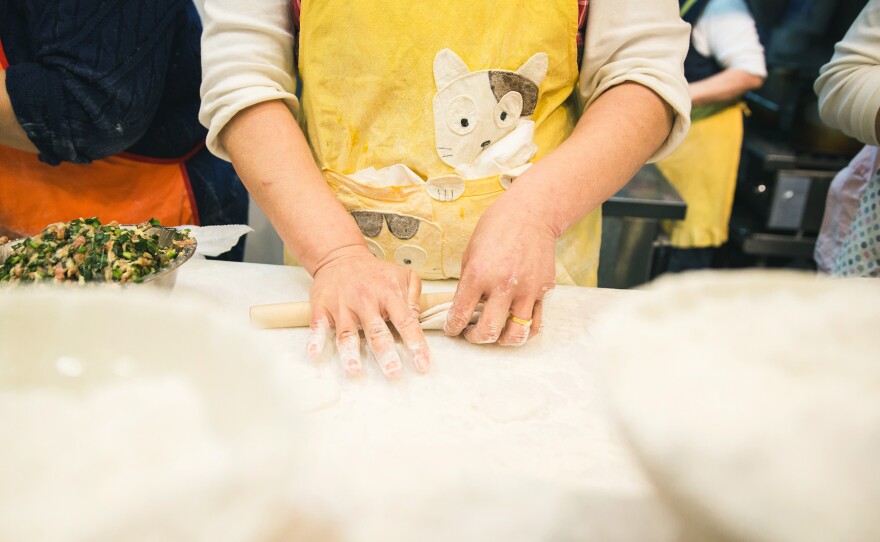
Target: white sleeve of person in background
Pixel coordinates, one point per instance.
(849, 85)
(726, 31)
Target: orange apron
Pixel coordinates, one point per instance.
(127, 188)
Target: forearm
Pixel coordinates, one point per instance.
(273, 159)
(11, 132)
(613, 139)
(847, 85)
(727, 85)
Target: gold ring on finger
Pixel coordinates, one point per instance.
(520, 321)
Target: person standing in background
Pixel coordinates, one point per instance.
(725, 61)
(99, 109)
(849, 99)
(463, 139)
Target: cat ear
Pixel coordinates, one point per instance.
(448, 67)
(535, 68)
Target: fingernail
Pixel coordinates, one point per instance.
(392, 370)
(423, 362)
(349, 353)
(353, 367)
(519, 341)
(469, 334)
(317, 338)
(420, 355)
(314, 351)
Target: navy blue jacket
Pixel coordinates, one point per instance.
(89, 79)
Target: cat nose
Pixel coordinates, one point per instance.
(485, 144)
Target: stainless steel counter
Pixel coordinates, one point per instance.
(630, 225)
(647, 195)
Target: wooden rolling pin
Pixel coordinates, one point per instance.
(299, 314)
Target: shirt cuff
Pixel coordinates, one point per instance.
(30, 93)
(864, 119)
(850, 101)
(670, 91)
(224, 109)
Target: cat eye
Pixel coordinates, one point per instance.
(462, 115)
(508, 110)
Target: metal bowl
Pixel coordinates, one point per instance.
(164, 278)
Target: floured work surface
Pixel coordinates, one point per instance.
(494, 443)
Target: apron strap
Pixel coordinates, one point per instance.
(692, 9)
(4, 62)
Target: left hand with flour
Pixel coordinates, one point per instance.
(509, 265)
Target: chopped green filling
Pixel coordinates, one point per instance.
(84, 250)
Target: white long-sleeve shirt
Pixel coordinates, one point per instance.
(849, 85)
(726, 32)
(247, 58)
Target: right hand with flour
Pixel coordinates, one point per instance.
(354, 290)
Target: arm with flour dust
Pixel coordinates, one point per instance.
(249, 106)
(637, 109)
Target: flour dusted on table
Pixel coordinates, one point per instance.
(513, 400)
(497, 435)
(80, 466)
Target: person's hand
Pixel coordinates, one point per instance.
(509, 264)
(354, 290)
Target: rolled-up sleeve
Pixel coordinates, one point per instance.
(247, 58)
(639, 41)
(732, 37)
(849, 85)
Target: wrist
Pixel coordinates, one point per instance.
(338, 254)
(530, 210)
(535, 202)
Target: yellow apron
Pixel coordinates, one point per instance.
(420, 115)
(703, 170)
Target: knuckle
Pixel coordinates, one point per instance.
(377, 332)
(490, 338)
(395, 285)
(456, 319)
(346, 334)
(488, 334)
(518, 338)
(408, 321)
